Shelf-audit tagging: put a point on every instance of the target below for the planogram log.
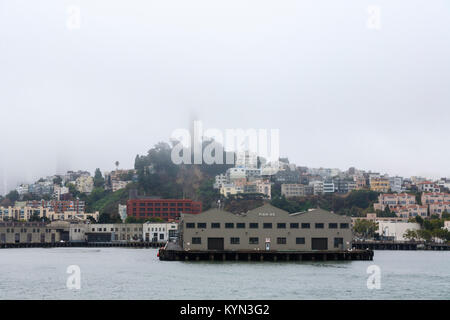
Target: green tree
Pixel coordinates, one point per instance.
(365, 228)
(99, 181)
(410, 234)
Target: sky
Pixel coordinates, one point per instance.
(345, 86)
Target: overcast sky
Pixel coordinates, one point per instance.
(342, 94)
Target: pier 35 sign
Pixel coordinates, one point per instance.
(250, 142)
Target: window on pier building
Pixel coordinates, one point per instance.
(215, 225)
(332, 225)
(306, 226)
(338, 242)
(234, 240)
(190, 225)
(344, 226)
(300, 240)
(253, 225)
(253, 240)
(196, 240)
(319, 225)
(229, 225)
(240, 225)
(201, 225)
(294, 225)
(267, 225)
(281, 240)
(281, 225)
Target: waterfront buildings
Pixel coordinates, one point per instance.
(77, 206)
(114, 232)
(29, 232)
(265, 228)
(159, 232)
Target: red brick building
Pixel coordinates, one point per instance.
(166, 209)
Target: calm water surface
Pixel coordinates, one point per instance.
(120, 273)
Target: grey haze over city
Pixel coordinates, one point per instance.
(341, 93)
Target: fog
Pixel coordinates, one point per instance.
(341, 92)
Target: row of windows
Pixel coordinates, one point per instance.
(158, 204)
(266, 225)
(280, 240)
(116, 229)
(23, 230)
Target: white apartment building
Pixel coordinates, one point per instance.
(235, 174)
(394, 200)
(317, 187)
(122, 212)
(428, 186)
(264, 187)
(396, 184)
(328, 187)
(22, 189)
(159, 232)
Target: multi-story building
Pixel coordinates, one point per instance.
(117, 185)
(394, 200)
(22, 189)
(344, 186)
(427, 186)
(360, 182)
(265, 228)
(246, 159)
(290, 190)
(328, 187)
(434, 197)
(166, 209)
(27, 232)
(159, 232)
(439, 208)
(379, 184)
(264, 187)
(84, 184)
(230, 190)
(26, 213)
(114, 232)
(411, 211)
(317, 187)
(59, 192)
(77, 206)
(220, 180)
(395, 184)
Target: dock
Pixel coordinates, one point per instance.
(228, 255)
(136, 244)
(399, 245)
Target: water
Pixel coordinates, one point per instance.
(121, 273)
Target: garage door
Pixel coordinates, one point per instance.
(319, 243)
(215, 243)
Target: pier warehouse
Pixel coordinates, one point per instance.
(265, 228)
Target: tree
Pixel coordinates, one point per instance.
(57, 180)
(365, 228)
(13, 196)
(99, 181)
(410, 234)
(424, 234)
